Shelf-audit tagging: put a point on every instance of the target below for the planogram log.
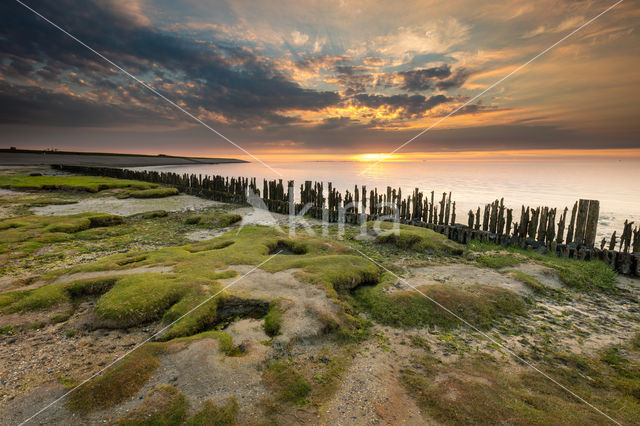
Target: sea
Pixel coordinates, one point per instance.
(614, 182)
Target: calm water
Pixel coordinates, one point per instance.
(616, 183)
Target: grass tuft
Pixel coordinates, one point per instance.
(119, 383)
(480, 305)
(273, 319)
(498, 261)
(582, 275)
(211, 414)
(288, 384)
(163, 405)
(418, 239)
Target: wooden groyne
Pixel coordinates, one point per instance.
(568, 233)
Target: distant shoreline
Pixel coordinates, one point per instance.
(26, 157)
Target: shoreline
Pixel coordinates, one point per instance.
(45, 158)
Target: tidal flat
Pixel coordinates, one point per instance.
(336, 325)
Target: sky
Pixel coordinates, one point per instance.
(328, 80)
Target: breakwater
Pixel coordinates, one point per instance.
(568, 233)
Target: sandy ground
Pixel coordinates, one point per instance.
(128, 207)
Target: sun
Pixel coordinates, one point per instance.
(370, 157)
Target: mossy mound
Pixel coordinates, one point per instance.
(480, 305)
(135, 299)
(417, 239)
(70, 183)
(214, 219)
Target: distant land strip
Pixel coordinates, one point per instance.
(29, 157)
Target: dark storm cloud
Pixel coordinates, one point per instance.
(354, 78)
(455, 81)
(227, 80)
(408, 106)
(332, 123)
(424, 79)
(36, 106)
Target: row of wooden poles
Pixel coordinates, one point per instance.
(537, 227)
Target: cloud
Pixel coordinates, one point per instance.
(406, 106)
(434, 37)
(424, 79)
(210, 77)
(40, 107)
(567, 24)
(454, 81)
(298, 38)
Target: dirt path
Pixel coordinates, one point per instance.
(370, 393)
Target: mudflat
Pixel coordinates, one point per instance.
(35, 158)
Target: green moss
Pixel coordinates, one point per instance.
(137, 299)
(582, 275)
(498, 261)
(228, 219)
(118, 383)
(225, 341)
(153, 193)
(7, 330)
(288, 384)
(480, 305)
(40, 298)
(151, 214)
(214, 219)
(587, 275)
(211, 414)
(69, 183)
(535, 285)
(163, 405)
(50, 295)
(273, 319)
(417, 239)
(199, 320)
(288, 247)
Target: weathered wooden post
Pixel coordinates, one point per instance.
(563, 217)
(442, 204)
(572, 223)
(581, 221)
(542, 226)
(453, 214)
(431, 206)
(551, 227)
(613, 241)
(448, 210)
(592, 223)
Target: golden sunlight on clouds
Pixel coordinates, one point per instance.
(460, 156)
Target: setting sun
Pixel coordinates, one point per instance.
(373, 157)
